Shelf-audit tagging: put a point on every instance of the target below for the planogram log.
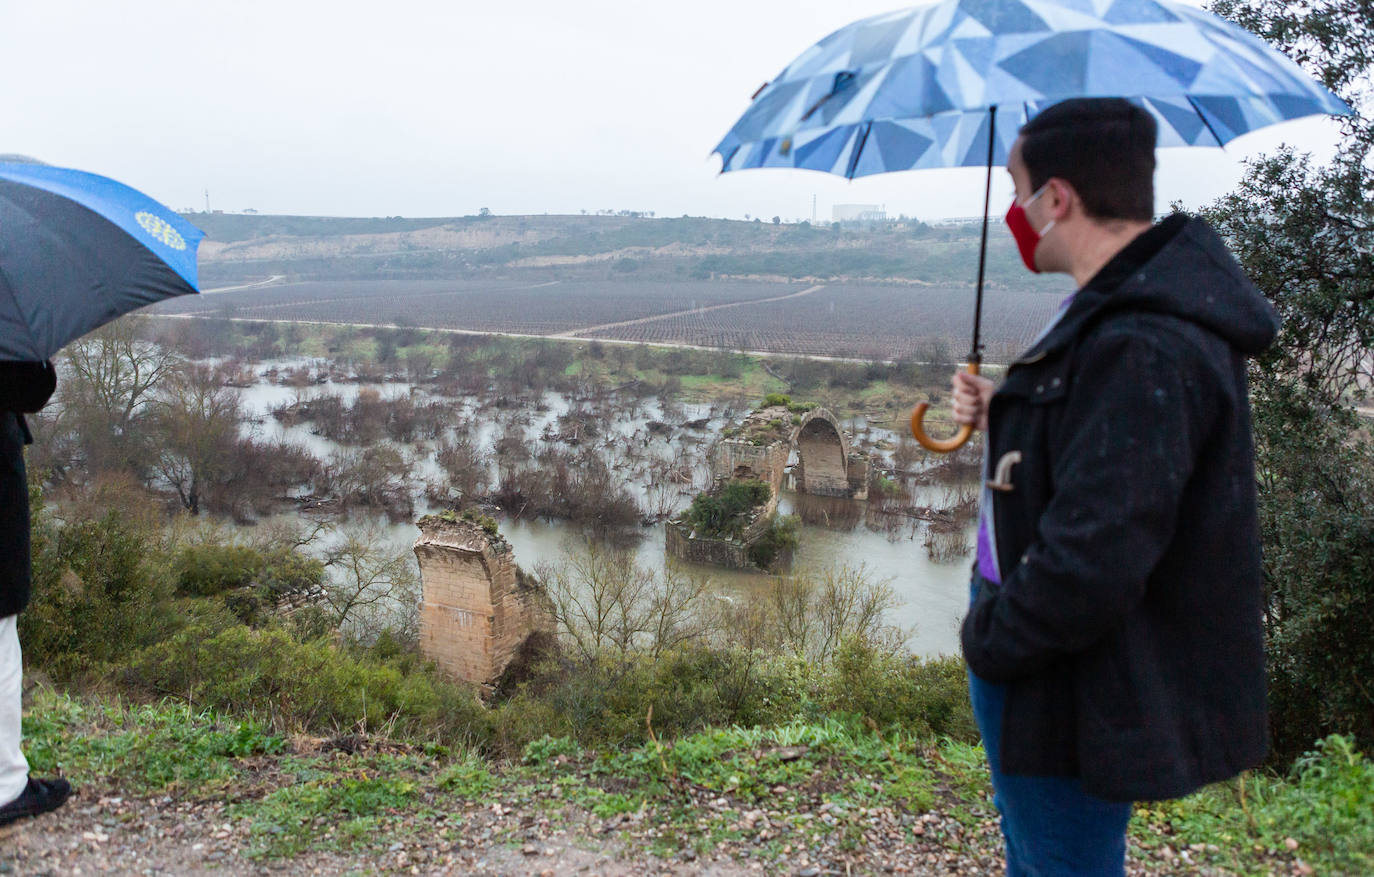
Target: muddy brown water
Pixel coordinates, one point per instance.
(930, 596)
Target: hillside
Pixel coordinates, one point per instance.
(886, 291)
(239, 247)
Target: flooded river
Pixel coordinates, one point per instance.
(930, 596)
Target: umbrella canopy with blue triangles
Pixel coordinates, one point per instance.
(912, 89)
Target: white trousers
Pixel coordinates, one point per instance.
(14, 768)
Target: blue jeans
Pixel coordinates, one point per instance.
(1052, 827)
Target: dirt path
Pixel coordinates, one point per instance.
(159, 836)
(275, 278)
(576, 333)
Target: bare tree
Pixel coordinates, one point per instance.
(468, 467)
(371, 589)
(375, 476)
(814, 611)
(108, 386)
(606, 603)
(197, 420)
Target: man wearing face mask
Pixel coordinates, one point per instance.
(1114, 638)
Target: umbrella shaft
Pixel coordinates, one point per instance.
(976, 351)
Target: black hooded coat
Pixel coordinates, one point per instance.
(24, 387)
(1127, 627)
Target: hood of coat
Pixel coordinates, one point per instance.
(1194, 277)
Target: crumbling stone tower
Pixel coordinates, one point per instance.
(478, 608)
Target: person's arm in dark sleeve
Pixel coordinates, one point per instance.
(1134, 424)
(25, 387)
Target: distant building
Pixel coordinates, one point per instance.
(858, 213)
(957, 220)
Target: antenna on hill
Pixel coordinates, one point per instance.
(813, 209)
(207, 200)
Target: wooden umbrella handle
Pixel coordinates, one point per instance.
(940, 446)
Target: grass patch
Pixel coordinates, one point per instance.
(761, 793)
(163, 747)
(335, 812)
(1322, 813)
(470, 778)
(753, 381)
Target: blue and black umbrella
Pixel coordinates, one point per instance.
(78, 250)
(949, 84)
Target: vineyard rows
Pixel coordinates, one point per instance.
(881, 322)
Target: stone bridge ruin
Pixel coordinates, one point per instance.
(762, 444)
(761, 447)
(478, 608)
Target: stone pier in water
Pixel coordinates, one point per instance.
(478, 608)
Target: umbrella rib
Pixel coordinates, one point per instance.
(1213, 131)
(725, 159)
(14, 297)
(858, 148)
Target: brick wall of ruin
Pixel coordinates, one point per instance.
(729, 553)
(766, 463)
(476, 608)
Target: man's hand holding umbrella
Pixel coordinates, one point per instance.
(970, 397)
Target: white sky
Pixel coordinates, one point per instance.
(431, 108)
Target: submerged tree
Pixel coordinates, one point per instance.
(108, 386)
(1305, 234)
(197, 420)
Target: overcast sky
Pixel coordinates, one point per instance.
(404, 107)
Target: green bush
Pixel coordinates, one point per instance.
(100, 590)
(883, 487)
(307, 686)
(926, 697)
(725, 513)
(209, 569)
(777, 542)
(250, 581)
(777, 399)
(605, 701)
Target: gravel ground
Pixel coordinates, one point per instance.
(160, 836)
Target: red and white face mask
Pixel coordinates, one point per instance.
(1027, 238)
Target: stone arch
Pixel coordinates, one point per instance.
(822, 455)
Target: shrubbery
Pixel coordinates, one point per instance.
(313, 685)
(211, 568)
(100, 592)
(120, 603)
(726, 513)
(606, 700)
(777, 542)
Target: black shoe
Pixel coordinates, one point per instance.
(39, 796)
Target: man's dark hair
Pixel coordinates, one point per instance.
(1103, 147)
